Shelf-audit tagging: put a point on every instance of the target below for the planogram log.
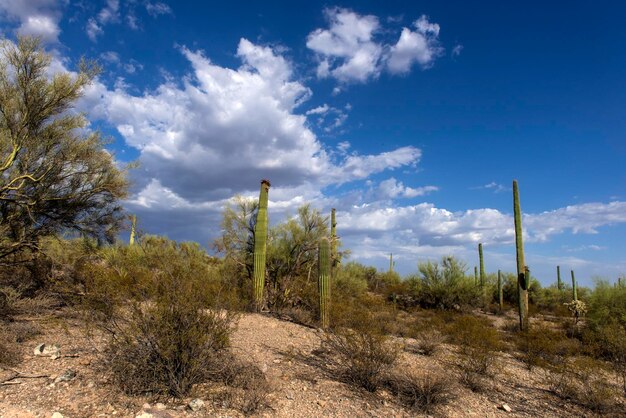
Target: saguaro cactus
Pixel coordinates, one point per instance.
(334, 255)
(133, 226)
(260, 246)
(476, 275)
(500, 293)
(482, 265)
(559, 285)
(323, 268)
(523, 277)
(574, 290)
(390, 263)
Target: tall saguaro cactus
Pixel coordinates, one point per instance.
(482, 265)
(133, 230)
(523, 277)
(323, 268)
(559, 285)
(500, 293)
(574, 290)
(334, 255)
(260, 246)
(390, 262)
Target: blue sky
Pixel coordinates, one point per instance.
(411, 118)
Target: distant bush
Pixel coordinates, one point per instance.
(161, 304)
(443, 286)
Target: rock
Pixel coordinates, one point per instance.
(505, 407)
(46, 350)
(321, 403)
(68, 375)
(144, 415)
(290, 396)
(57, 415)
(160, 406)
(146, 406)
(196, 404)
(264, 368)
(276, 361)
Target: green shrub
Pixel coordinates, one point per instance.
(161, 304)
(541, 346)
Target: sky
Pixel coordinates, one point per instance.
(410, 118)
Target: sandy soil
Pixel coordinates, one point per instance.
(286, 352)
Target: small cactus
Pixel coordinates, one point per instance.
(578, 308)
(523, 278)
(323, 268)
(133, 226)
(476, 275)
(559, 285)
(574, 290)
(334, 255)
(260, 246)
(482, 265)
(500, 293)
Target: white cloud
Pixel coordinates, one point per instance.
(157, 8)
(456, 51)
(224, 129)
(347, 47)
(392, 189)
(495, 187)
(419, 46)
(349, 52)
(35, 17)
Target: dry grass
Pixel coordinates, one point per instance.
(422, 393)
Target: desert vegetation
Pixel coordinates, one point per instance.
(164, 314)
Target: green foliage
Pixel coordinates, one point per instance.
(444, 285)
(162, 306)
(543, 346)
(53, 176)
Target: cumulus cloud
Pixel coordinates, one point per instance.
(223, 129)
(392, 189)
(350, 49)
(415, 46)
(34, 17)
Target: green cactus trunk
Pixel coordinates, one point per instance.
(559, 285)
(133, 225)
(260, 246)
(334, 255)
(500, 293)
(523, 276)
(475, 275)
(390, 263)
(323, 268)
(482, 265)
(574, 290)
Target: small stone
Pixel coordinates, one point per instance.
(68, 375)
(196, 404)
(290, 396)
(57, 415)
(144, 415)
(160, 406)
(276, 361)
(321, 403)
(146, 406)
(46, 350)
(264, 368)
(505, 407)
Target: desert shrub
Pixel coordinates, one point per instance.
(10, 354)
(248, 387)
(607, 304)
(160, 304)
(362, 357)
(479, 343)
(541, 346)
(444, 286)
(429, 341)
(422, 393)
(552, 300)
(583, 381)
